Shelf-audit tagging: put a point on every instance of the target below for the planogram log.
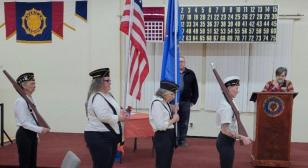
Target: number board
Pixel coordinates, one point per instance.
(229, 23)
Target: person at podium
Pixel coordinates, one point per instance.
(280, 84)
(226, 121)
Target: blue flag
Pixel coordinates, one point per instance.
(171, 56)
(33, 21)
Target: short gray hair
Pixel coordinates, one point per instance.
(22, 84)
(162, 92)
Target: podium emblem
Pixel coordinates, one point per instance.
(273, 106)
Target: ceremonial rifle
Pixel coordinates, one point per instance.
(241, 129)
(39, 119)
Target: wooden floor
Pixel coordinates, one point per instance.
(201, 152)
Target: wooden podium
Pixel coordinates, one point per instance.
(273, 128)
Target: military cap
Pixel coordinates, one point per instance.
(232, 81)
(29, 76)
(168, 85)
(99, 73)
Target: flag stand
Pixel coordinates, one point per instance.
(3, 132)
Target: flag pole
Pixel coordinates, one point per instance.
(176, 64)
(176, 47)
(127, 53)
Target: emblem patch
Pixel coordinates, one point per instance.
(273, 106)
(34, 22)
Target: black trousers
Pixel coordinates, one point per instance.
(164, 143)
(26, 141)
(225, 147)
(184, 113)
(102, 147)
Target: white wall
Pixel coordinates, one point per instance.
(62, 67)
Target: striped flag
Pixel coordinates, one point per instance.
(132, 24)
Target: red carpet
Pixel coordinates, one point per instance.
(201, 152)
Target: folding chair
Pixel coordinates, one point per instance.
(70, 160)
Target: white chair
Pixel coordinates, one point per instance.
(70, 160)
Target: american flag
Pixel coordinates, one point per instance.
(138, 65)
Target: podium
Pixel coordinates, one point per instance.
(273, 128)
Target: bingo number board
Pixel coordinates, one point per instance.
(229, 23)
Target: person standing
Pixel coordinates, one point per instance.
(280, 84)
(226, 121)
(26, 135)
(103, 131)
(162, 120)
(189, 95)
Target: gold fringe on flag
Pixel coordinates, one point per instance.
(12, 34)
(81, 18)
(33, 42)
(59, 36)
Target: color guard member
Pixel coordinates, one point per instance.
(162, 121)
(103, 131)
(26, 135)
(226, 120)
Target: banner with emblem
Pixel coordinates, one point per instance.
(33, 22)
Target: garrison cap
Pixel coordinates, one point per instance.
(29, 76)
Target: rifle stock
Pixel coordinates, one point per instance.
(39, 119)
(241, 128)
